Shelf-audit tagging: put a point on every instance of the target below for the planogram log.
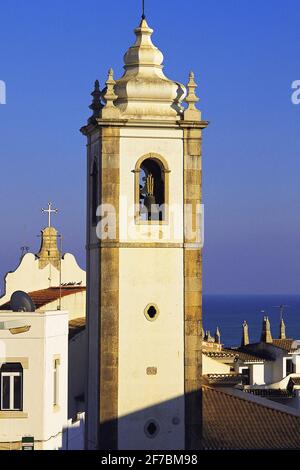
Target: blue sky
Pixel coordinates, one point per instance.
(245, 55)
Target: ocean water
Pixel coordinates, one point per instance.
(229, 311)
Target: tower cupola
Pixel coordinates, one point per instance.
(144, 90)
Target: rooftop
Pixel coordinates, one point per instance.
(238, 353)
(229, 380)
(285, 344)
(224, 353)
(46, 296)
(246, 355)
(270, 392)
(76, 326)
(231, 422)
(294, 383)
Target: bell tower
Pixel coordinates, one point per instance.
(144, 265)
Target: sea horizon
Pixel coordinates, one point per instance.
(228, 311)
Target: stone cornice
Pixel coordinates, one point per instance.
(139, 244)
(90, 128)
(193, 124)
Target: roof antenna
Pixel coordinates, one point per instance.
(143, 15)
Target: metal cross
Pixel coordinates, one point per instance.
(143, 5)
(49, 211)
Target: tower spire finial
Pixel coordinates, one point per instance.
(109, 110)
(96, 105)
(192, 113)
(143, 10)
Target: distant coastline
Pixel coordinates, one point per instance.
(228, 311)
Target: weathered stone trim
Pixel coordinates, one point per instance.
(151, 370)
(10, 445)
(49, 252)
(13, 415)
(98, 246)
(192, 294)
(109, 297)
(20, 330)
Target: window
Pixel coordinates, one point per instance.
(151, 312)
(11, 387)
(94, 195)
(246, 376)
(56, 363)
(151, 429)
(152, 194)
(289, 366)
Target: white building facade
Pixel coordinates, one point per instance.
(34, 378)
(46, 269)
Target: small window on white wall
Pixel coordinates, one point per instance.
(245, 376)
(56, 364)
(11, 387)
(289, 366)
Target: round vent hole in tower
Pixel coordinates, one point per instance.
(151, 429)
(151, 312)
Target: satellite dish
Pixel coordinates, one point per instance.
(21, 302)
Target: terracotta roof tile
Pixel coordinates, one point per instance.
(270, 392)
(285, 344)
(230, 422)
(249, 356)
(46, 296)
(244, 355)
(220, 354)
(230, 380)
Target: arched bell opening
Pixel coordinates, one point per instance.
(151, 194)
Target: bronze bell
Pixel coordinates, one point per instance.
(151, 206)
(149, 201)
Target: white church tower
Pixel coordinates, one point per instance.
(144, 258)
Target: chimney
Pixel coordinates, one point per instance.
(245, 337)
(208, 338)
(217, 336)
(266, 335)
(282, 330)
